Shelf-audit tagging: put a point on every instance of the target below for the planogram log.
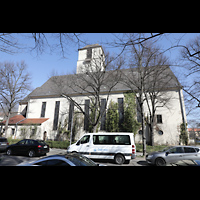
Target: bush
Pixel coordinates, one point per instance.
(58, 144)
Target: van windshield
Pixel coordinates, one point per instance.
(111, 139)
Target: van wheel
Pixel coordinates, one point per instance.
(119, 159)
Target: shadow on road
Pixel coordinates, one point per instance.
(143, 163)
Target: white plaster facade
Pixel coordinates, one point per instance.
(95, 58)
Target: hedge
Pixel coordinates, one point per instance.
(58, 144)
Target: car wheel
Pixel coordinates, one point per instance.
(119, 159)
(160, 162)
(9, 152)
(31, 153)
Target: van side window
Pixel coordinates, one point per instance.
(85, 139)
(111, 139)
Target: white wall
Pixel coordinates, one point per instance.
(96, 58)
(171, 116)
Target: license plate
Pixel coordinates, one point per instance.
(45, 146)
(3, 144)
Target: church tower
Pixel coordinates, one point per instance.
(91, 58)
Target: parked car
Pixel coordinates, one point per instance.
(28, 147)
(70, 159)
(185, 163)
(3, 143)
(117, 146)
(173, 154)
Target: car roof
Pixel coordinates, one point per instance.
(64, 155)
(187, 146)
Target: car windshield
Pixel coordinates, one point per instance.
(165, 149)
(81, 160)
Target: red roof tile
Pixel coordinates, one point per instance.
(20, 119)
(193, 129)
(14, 120)
(33, 121)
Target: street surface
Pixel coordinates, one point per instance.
(15, 160)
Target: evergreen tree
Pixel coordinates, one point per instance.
(130, 123)
(112, 117)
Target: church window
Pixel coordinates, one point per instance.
(43, 109)
(121, 111)
(86, 119)
(89, 53)
(159, 119)
(103, 114)
(56, 115)
(71, 110)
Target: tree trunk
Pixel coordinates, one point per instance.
(6, 125)
(143, 133)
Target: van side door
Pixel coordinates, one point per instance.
(84, 143)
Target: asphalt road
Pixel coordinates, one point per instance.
(15, 160)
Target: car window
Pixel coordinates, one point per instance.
(53, 162)
(56, 162)
(112, 139)
(27, 141)
(189, 150)
(43, 163)
(81, 161)
(3, 140)
(176, 150)
(21, 142)
(32, 142)
(85, 139)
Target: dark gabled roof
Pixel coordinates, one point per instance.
(67, 83)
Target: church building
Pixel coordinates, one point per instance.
(46, 113)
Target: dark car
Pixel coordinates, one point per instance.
(28, 147)
(3, 143)
(70, 159)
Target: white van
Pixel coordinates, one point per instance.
(117, 146)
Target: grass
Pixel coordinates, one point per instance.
(150, 148)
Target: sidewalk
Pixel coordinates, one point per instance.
(56, 151)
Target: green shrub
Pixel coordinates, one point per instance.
(58, 144)
(112, 117)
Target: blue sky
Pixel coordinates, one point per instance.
(40, 67)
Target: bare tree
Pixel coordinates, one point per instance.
(99, 77)
(147, 76)
(15, 83)
(191, 57)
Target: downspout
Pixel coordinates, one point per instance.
(16, 126)
(182, 110)
(181, 104)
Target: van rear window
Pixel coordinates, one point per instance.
(111, 139)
